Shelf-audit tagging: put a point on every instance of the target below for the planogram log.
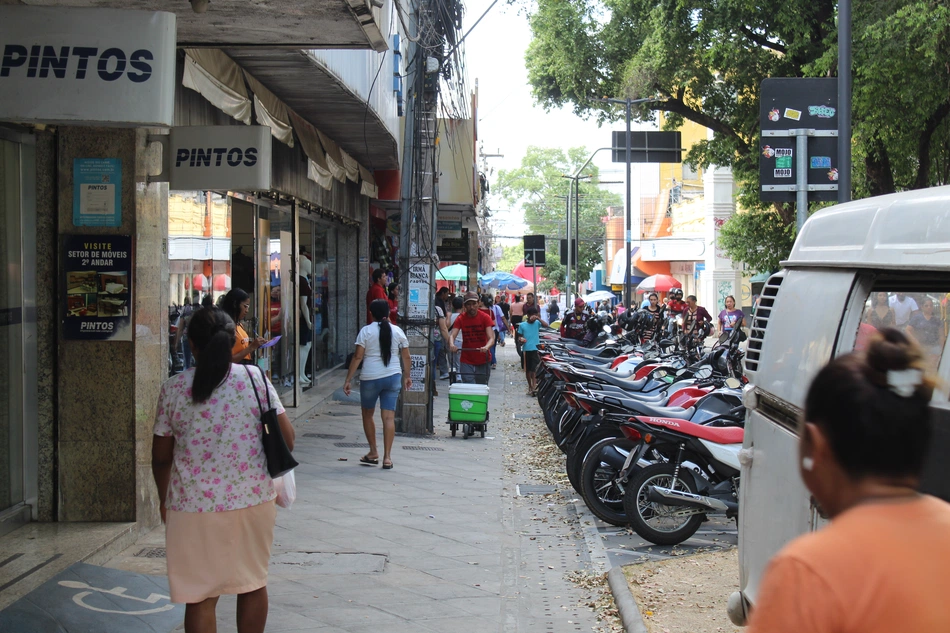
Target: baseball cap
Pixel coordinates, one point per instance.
(471, 296)
(578, 303)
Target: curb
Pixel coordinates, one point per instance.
(626, 605)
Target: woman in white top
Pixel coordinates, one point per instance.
(376, 345)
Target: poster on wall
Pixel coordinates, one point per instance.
(417, 372)
(419, 291)
(97, 283)
(97, 192)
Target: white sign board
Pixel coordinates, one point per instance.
(417, 371)
(101, 66)
(222, 157)
(419, 288)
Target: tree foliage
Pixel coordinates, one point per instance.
(512, 254)
(539, 189)
(705, 60)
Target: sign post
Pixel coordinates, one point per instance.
(792, 111)
(534, 255)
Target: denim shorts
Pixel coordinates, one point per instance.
(386, 390)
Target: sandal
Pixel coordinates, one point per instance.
(388, 466)
(366, 459)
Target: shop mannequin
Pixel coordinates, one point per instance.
(306, 325)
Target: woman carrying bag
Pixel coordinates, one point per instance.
(217, 498)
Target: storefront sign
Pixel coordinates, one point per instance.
(72, 65)
(221, 157)
(419, 284)
(97, 283)
(449, 225)
(97, 192)
(417, 371)
(682, 268)
(454, 249)
(673, 249)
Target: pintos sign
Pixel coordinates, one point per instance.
(97, 66)
(220, 157)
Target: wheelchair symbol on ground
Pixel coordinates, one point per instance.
(79, 598)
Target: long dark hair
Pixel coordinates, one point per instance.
(379, 308)
(211, 331)
(232, 301)
(392, 290)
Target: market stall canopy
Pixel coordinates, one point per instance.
(526, 272)
(599, 295)
(504, 281)
(455, 272)
(658, 283)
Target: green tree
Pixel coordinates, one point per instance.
(512, 254)
(705, 60)
(538, 187)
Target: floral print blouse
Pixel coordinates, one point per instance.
(218, 462)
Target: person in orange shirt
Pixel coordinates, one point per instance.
(881, 566)
(236, 304)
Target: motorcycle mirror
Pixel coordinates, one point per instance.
(724, 337)
(607, 329)
(704, 372)
(732, 383)
(681, 371)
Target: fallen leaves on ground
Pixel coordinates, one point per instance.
(686, 594)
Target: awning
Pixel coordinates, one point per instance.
(271, 111)
(350, 166)
(368, 184)
(334, 156)
(216, 77)
(317, 169)
(641, 269)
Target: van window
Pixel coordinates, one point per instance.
(920, 314)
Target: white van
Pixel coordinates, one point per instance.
(847, 261)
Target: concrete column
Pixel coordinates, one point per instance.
(720, 279)
(107, 390)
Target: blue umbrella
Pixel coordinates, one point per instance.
(504, 281)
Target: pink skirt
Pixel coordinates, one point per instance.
(214, 553)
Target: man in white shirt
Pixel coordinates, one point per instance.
(903, 306)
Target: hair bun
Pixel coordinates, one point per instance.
(892, 359)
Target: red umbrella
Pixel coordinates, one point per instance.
(658, 283)
(525, 272)
(199, 282)
(554, 292)
(222, 282)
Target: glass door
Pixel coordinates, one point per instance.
(17, 331)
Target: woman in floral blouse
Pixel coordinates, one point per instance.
(217, 498)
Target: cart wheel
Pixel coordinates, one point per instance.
(454, 427)
(483, 432)
(466, 431)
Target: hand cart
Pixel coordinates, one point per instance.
(468, 406)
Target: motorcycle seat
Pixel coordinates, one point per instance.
(715, 434)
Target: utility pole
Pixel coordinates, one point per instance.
(844, 100)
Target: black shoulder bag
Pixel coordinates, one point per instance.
(279, 459)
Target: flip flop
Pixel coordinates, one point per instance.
(366, 460)
(388, 466)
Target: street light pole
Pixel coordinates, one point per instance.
(629, 219)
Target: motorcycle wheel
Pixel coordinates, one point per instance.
(658, 523)
(578, 452)
(602, 493)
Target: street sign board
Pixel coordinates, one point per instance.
(564, 251)
(534, 250)
(454, 249)
(648, 147)
(789, 103)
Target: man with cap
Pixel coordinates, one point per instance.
(478, 338)
(574, 324)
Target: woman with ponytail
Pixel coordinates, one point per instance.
(380, 346)
(215, 494)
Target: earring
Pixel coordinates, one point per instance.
(808, 464)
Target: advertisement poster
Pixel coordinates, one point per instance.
(417, 371)
(97, 192)
(419, 291)
(98, 287)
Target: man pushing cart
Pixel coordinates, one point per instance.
(468, 400)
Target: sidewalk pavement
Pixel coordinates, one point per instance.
(449, 540)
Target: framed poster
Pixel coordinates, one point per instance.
(97, 287)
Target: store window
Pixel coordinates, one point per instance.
(199, 263)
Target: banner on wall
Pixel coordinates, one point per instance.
(97, 192)
(97, 285)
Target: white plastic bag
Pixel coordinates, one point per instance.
(286, 487)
